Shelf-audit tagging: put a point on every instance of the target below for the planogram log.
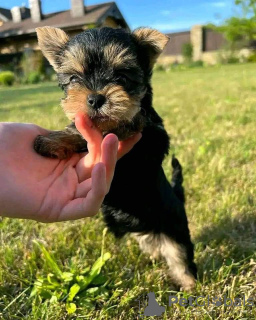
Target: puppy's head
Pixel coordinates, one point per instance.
(104, 72)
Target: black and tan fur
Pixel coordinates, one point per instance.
(106, 74)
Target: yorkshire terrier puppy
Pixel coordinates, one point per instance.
(106, 74)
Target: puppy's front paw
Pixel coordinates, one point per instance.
(50, 148)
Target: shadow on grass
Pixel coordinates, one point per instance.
(228, 242)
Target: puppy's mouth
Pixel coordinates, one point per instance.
(98, 116)
(103, 121)
(123, 128)
(111, 110)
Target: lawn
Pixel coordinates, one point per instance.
(210, 114)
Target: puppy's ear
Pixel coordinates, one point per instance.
(152, 41)
(51, 41)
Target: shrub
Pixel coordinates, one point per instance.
(32, 66)
(196, 64)
(159, 67)
(186, 66)
(7, 78)
(187, 51)
(232, 60)
(33, 77)
(252, 57)
(178, 67)
(228, 57)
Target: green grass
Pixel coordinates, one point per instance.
(210, 114)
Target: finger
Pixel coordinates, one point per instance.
(126, 145)
(90, 133)
(90, 205)
(94, 139)
(83, 188)
(109, 156)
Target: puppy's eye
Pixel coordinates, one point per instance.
(128, 75)
(124, 76)
(74, 79)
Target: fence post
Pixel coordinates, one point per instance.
(196, 38)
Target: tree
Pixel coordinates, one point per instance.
(240, 30)
(248, 6)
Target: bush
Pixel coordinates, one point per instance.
(33, 77)
(196, 64)
(32, 61)
(187, 51)
(7, 78)
(228, 57)
(32, 67)
(178, 67)
(232, 60)
(159, 67)
(252, 57)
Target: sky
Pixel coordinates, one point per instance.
(164, 15)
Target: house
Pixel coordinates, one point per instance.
(17, 26)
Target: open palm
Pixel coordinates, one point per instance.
(48, 190)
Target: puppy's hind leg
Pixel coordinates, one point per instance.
(179, 258)
(176, 245)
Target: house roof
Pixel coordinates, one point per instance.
(5, 14)
(178, 33)
(94, 14)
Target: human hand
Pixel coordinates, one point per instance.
(49, 190)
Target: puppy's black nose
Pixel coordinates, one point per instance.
(95, 101)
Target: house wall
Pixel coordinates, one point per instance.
(110, 22)
(18, 45)
(176, 42)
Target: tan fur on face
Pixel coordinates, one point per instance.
(75, 101)
(118, 108)
(117, 56)
(51, 41)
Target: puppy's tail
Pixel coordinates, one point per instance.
(177, 179)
